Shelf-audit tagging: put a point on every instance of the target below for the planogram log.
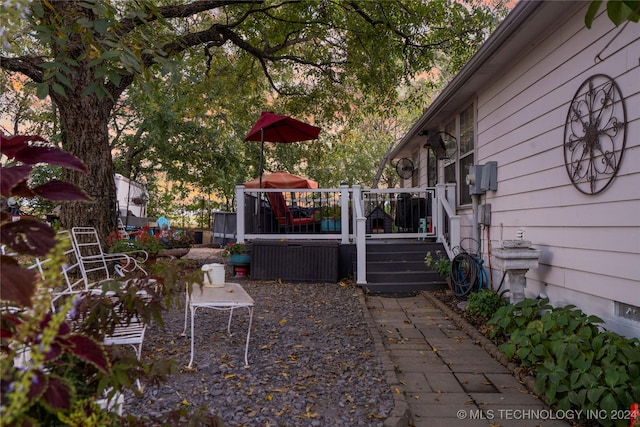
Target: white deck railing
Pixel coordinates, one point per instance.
(367, 214)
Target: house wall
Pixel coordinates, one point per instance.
(590, 243)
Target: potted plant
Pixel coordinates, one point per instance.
(238, 254)
(330, 218)
(239, 257)
(175, 243)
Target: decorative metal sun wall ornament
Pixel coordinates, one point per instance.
(594, 134)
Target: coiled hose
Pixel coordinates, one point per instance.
(467, 274)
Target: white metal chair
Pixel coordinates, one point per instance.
(77, 283)
(94, 259)
(75, 279)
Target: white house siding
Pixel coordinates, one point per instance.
(590, 244)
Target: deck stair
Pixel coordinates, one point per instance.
(397, 267)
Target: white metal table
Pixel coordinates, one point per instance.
(229, 297)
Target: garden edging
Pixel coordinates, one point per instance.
(400, 415)
(484, 342)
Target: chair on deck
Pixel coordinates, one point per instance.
(94, 259)
(286, 219)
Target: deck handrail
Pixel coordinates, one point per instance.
(448, 234)
(360, 237)
(444, 226)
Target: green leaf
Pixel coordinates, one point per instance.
(574, 398)
(611, 377)
(562, 356)
(64, 80)
(110, 54)
(631, 353)
(588, 380)
(42, 90)
(594, 394)
(540, 384)
(550, 392)
(84, 22)
(634, 5)
(581, 363)
(595, 320)
(91, 87)
(617, 11)
(57, 88)
(114, 77)
(523, 353)
(101, 26)
(538, 350)
(508, 349)
(564, 404)
(608, 403)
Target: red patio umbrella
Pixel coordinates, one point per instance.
(281, 179)
(272, 127)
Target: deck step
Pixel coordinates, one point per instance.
(401, 288)
(397, 267)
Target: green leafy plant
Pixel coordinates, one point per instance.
(484, 303)
(577, 365)
(618, 11)
(439, 262)
(513, 317)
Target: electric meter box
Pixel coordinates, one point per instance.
(489, 179)
(474, 178)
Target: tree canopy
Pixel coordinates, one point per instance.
(195, 75)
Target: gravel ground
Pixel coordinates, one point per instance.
(312, 360)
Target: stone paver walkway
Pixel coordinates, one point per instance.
(446, 378)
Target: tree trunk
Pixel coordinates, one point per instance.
(84, 124)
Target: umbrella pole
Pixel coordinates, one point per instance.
(261, 154)
(260, 225)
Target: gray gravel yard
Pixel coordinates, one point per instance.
(312, 361)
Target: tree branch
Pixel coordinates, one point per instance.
(27, 65)
(178, 11)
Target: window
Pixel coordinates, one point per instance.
(450, 164)
(465, 151)
(457, 167)
(432, 169)
(415, 178)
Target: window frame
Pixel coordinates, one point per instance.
(458, 167)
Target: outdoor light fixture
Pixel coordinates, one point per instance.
(435, 142)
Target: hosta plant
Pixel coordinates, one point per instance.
(577, 364)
